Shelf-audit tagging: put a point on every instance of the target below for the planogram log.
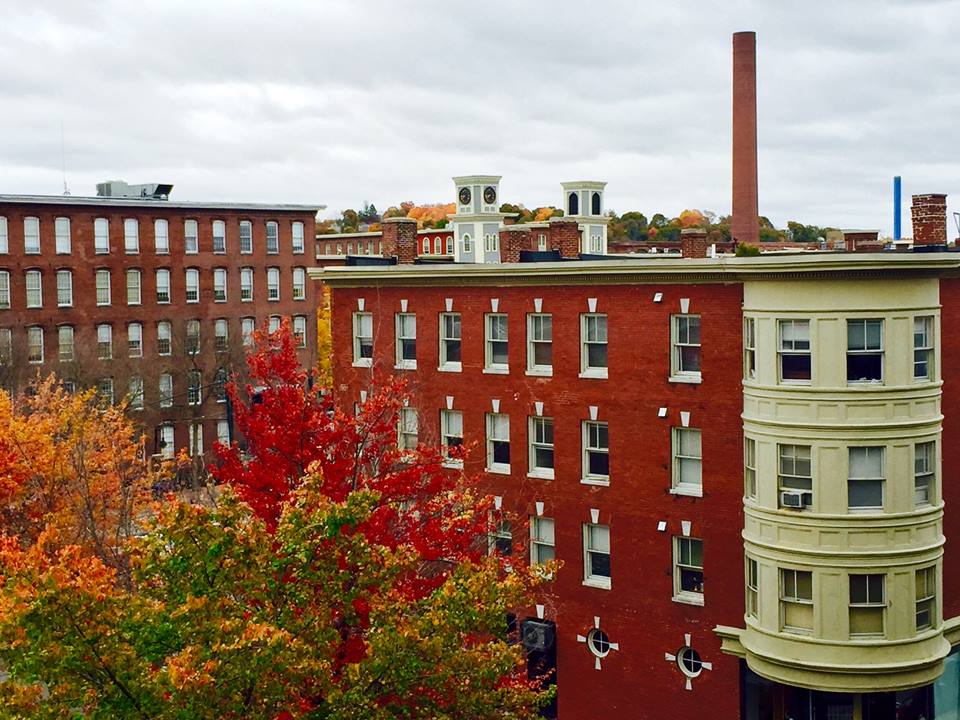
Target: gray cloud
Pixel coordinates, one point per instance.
(340, 101)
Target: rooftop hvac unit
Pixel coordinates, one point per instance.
(798, 499)
(537, 635)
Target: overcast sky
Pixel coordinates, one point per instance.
(341, 101)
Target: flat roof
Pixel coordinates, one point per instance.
(102, 201)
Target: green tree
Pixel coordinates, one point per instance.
(349, 220)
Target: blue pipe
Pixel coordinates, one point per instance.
(896, 207)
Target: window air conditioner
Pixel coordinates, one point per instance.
(795, 498)
(537, 634)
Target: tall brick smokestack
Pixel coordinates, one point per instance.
(745, 224)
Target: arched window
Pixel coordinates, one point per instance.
(595, 204)
(467, 245)
(426, 246)
(573, 204)
(437, 246)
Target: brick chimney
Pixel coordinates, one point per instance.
(693, 243)
(399, 239)
(513, 239)
(745, 223)
(929, 215)
(565, 237)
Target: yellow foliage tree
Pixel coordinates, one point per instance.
(692, 219)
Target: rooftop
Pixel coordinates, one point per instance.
(150, 202)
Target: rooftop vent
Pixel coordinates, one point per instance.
(118, 188)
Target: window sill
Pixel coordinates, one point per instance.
(451, 367)
(864, 383)
(406, 365)
(541, 474)
(363, 362)
(594, 374)
(499, 469)
(603, 482)
(795, 383)
(796, 631)
(540, 372)
(689, 491)
(496, 370)
(599, 583)
(453, 464)
(688, 599)
(687, 379)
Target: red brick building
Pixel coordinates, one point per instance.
(149, 299)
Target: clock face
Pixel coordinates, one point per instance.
(489, 195)
(464, 196)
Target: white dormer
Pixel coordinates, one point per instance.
(583, 201)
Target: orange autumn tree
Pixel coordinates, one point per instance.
(72, 469)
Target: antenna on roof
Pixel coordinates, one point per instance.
(63, 160)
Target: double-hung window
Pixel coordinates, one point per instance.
(450, 333)
(6, 346)
(408, 429)
(192, 276)
(4, 236)
(219, 285)
(105, 392)
(593, 345)
(135, 340)
(131, 236)
(750, 468)
(223, 433)
(501, 538)
(248, 326)
(61, 228)
(687, 462)
(596, 555)
(685, 358)
(4, 289)
(104, 342)
(136, 392)
(867, 605)
(165, 444)
(219, 230)
(221, 337)
(451, 435)
(166, 390)
(793, 351)
(273, 284)
(35, 344)
(299, 286)
(191, 237)
(65, 345)
(163, 337)
(539, 344)
(542, 540)
(753, 588)
(796, 600)
(296, 230)
(220, 385)
(688, 570)
(794, 474)
(495, 345)
(64, 288)
(34, 286)
(926, 598)
(133, 287)
(596, 452)
(273, 324)
(498, 442)
(273, 237)
(300, 330)
(406, 341)
(246, 237)
(363, 339)
(163, 286)
(924, 472)
(103, 287)
(864, 351)
(161, 236)
(749, 348)
(923, 348)
(194, 393)
(865, 478)
(246, 284)
(101, 236)
(193, 337)
(541, 447)
(31, 236)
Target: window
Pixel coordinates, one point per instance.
(273, 238)
(273, 283)
(749, 348)
(542, 242)
(362, 339)
(688, 569)
(246, 284)
(408, 428)
(163, 337)
(865, 479)
(34, 285)
(451, 434)
(498, 442)
(450, 245)
(467, 244)
(101, 236)
(61, 229)
(596, 452)
(297, 233)
(219, 285)
(753, 588)
(64, 288)
(246, 237)
(35, 344)
(194, 395)
(131, 236)
(65, 348)
(196, 438)
(273, 324)
(686, 346)
(437, 246)
(4, 236)
(491, 243)
(540, 344)
(133, 287)
(794, 471)
(4, 289)
(163, 286)
(596, 555)
(136, 392)
(796, 600)
(247, 327)
(541, 447)
(193, 285)
(924, 469)
(105, 342)
(191, 238)
(450, 341)
(867, 605)
(926, 598)
(593, 342)
(6, 346)
(221, 339)
(299, 289)
(687, 462)
(105, 392)
(219, 237)
(750, 468)
(599, 643)
(689, 662)
(496, 342)
(135, 340)
(223, 433)
(166, 390)
(165, 441)
(300, 330)
(31, 236)
(103, 287)
(501, 539)
(161, 236)
(220, 385)
(864, 351)
(193, 337)
(573, 204)
(425, 246)
(406, 341)
(595, 204)
(923, 348)
(542, 540)
(596, 244)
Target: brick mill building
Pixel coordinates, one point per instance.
(148, 299)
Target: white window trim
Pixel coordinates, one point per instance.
(491, 466)
(595, 581)
(881, 351)
(449, 462)
(781, 352)
(401, 363)
(882, 605)
(585, 477)
(596, 373)
(532, 368)
(868, 509)
(490, 367)
(359, 361)
(677, 487)
(686, 597)
(532, 470)
(782, 598)
(676, 376)
(447, 365)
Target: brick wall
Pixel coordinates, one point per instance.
(929, 216)
(400, 239)
(513, 239)
(565, 237)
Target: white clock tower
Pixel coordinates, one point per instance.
(477, 219)
(583, 202)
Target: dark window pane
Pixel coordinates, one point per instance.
(597, 356)
(691, 580)
(689, 359)
(543, 353)
(600, 564)
(864, 368)
(501, 452)
(599, 463)
(544, 457)
(453, 351)
(498, 352)
(795, 367)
